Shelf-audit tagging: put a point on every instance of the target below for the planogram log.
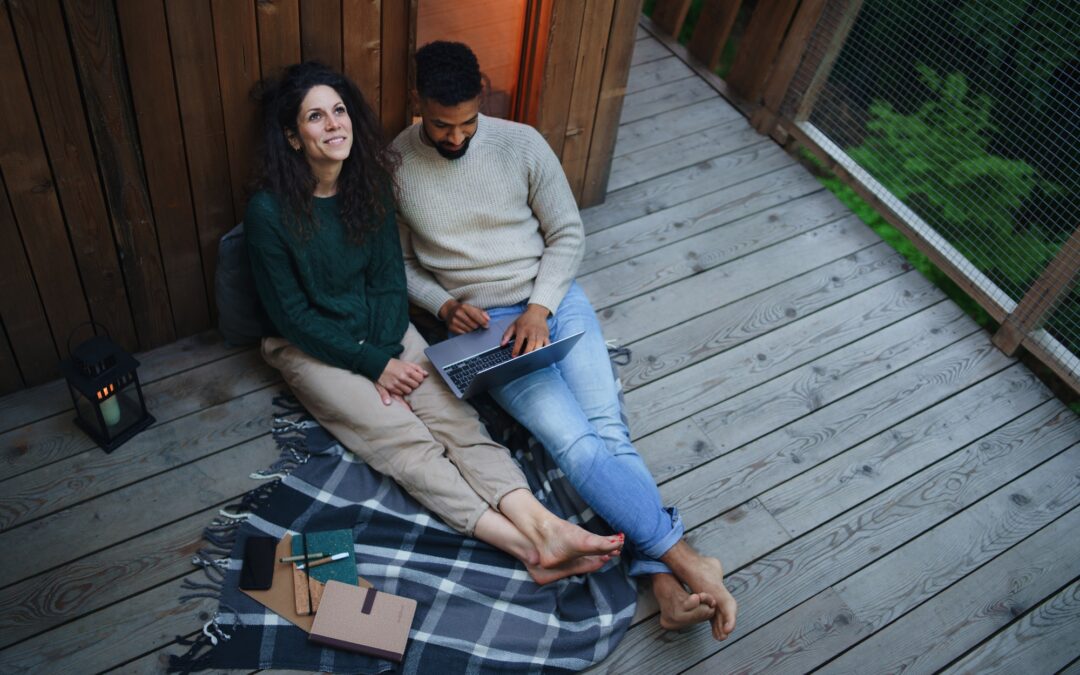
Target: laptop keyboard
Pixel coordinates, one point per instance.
(463, 372)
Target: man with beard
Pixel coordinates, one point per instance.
(489, 228)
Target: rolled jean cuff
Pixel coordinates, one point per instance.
(646, 559)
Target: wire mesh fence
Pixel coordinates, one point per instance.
(965, 114)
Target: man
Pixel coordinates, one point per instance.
(489, 227)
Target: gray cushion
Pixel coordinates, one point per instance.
(240, 314)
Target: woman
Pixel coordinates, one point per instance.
(326, 258)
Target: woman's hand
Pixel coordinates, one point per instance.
(529, 331)
(399, 378)
(461, 317)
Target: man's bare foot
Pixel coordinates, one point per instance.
(679, 609)
(704, 575)
(582, 565)
(559, 542)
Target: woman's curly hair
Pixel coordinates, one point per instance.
(366, 182)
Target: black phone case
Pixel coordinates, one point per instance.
(257, 571)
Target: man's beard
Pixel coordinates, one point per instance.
(453, 154)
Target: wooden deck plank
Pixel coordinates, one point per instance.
(1042, 641)
(726, 283)
(163, 447)
(844, 481)
(790, 441)
(718, 378)
(734, 198)
(959, 616)
(799, 570)
(726, 327)
(56, 438)
(663, 128)
(649, 49)
(134, 510)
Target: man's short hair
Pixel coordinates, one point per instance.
(447, 72)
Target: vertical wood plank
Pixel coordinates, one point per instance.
(279, 34)
(191, 28)
(620, 50)
(394, 77)
(236, 43)
(39, 28)
(145, 36)
(361, 51)
(557, 85)
(670, 15)
(28, 337)
(99, 59)
(712, 30)
(758, 48)
(787, 63)
(588, 73)
(32, 195)
(321, 31)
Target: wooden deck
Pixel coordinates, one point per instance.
(886, 489)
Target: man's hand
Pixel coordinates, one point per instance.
(461, 317)
(399, 378)
(529, 331)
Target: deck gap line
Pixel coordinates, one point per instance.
(809, 413)
(732, 260)
(158, 423)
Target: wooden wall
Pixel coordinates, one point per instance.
(127, 135)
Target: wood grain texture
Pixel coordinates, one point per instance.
(55, 438)
(727, 206)
(236, 47)
(805, 567)
(362, 46)
(191, 30)
(51, 74)
(794, 442)
(46, 400)
(279, 35)
(959, 617)
(32, 200)
(144, 31)
(162, 447)
(99, 58)
(61, 537)
(557, 82)
(321, 30)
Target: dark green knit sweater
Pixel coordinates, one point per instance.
(344, 304)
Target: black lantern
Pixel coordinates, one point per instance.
(105, 388)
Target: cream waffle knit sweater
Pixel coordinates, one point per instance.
(493, 228)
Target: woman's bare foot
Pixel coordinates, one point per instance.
(556, 541)
(704, 575)
(679, 609)
(583, 565)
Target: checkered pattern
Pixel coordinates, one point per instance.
(478, 610)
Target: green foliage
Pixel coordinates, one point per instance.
(937, 161)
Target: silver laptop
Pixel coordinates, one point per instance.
(474, 362)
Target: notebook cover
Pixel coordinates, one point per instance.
(363, 620)
(280, 597)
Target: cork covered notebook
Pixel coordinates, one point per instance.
(363, 620)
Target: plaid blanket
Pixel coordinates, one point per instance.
(478, 610)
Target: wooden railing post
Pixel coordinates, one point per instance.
(1042, 297)
(669, 15)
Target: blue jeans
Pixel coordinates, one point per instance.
(572, 408)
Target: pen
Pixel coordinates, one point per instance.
(294, 558)
(323, 561)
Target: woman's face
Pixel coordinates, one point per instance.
(324, 128)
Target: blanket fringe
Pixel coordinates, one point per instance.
(289, 424)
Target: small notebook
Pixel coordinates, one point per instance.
(363, 620)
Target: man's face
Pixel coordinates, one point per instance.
(449, 128)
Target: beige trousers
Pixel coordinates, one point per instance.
(439, 452)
